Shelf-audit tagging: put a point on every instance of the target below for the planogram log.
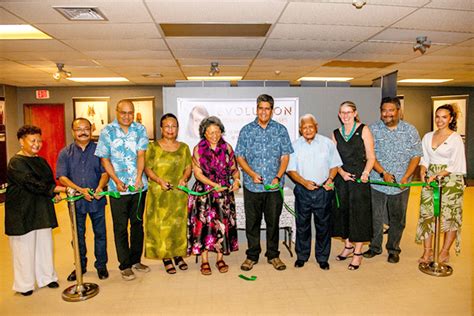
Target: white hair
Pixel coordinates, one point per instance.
(308, 116)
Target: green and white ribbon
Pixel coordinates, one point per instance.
(113, 194)
(270, 187)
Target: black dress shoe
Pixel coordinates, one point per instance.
(324, 265)
(53, 285)
(102, 273)
(28, 293)
(393, 258)
(72, 276)
(299, 263)
(370, 254)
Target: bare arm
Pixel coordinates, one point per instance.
(246, 168)
(69, 183)
(284, 160)
(410, 169)
(140, 168)
(296, 177)
(104, 178)
(369, 153)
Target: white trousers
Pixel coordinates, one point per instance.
(32, 260)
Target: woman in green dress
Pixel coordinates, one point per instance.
(167, 165)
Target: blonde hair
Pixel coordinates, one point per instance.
(352, 106)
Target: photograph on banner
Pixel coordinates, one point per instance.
(93, 109)
(459, 103)
(234, 114)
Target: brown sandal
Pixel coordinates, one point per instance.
(222, 266)
(206, 268)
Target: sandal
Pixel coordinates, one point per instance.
(206, 268)
(353, 267)
(169, 267)
(443, 259)
(222, 266)
(427, 256)
(180, 263)
(341, 257)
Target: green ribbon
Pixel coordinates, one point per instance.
(252, 278)
(191, 192)
(335, 193)
(131, 188)
(270, 187)
(113, 194)
(432, 184)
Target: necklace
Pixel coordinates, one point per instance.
(348, 137)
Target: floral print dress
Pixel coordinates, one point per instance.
(212, 221)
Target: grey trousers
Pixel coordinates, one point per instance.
(396, 207)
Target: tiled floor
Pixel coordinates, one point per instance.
(377, 288)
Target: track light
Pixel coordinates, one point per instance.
(214, 69)
(422, 44)
(359, 4)
(61, 73)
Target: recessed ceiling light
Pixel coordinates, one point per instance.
(21, 31)
(219, 78)
(98, 79)
(424, 80)
(81, 13)
(325, 78)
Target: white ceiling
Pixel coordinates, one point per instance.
(304, 36)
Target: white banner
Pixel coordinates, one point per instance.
(234, 114)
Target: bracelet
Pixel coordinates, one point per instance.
(277, 177)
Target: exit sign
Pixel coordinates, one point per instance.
(42, 94)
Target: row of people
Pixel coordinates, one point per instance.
(389, 149)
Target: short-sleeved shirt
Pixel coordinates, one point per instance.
(263, 148)
(122, 150)
(394, 149)
(313, 160)
(84, 169)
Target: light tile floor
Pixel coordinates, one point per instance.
(377, 288)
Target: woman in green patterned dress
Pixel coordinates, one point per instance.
(443, 157)
(167, 165)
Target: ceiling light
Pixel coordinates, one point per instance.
(98, 79)
(154, 75)
(424, 80)
(325, 79)
(81, 13)
(21, 31)
(359, 4)
(214, 69)
(225, 78)
(422, 43)
(61, 73)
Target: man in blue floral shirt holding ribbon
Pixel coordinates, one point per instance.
(121, 147)
(398, 151)
(262, 151)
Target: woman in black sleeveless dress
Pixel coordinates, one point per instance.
(353, 219)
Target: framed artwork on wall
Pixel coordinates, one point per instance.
(459, 102)
(93, 109)
(145, 114)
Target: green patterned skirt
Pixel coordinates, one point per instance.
(451, 207)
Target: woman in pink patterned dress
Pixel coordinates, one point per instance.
(212, 224)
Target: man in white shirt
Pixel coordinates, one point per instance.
(312, 168)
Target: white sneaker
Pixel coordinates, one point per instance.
(128, 274)
(140, 267)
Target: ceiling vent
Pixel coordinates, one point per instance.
(81, 13)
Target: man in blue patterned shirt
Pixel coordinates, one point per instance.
(262, 151)
(398, 151)
(121, 147)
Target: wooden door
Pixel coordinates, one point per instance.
(50, 118)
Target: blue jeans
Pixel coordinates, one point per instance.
(396, 206)
(100, 238)
(319, 204)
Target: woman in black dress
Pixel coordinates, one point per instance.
(353, 219)
(29, 214)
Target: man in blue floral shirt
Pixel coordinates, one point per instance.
(263, 150)
(398, 151)
(121, 147)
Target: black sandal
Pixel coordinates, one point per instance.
(169, 267)
(353, 266)
(180, 263)
(342, 258)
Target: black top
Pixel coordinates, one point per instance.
(28, 203)
(352, 152)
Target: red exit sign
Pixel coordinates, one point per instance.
(42, 94)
